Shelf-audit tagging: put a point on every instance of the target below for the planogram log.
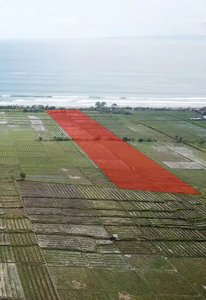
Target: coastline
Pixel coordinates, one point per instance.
(86, 101)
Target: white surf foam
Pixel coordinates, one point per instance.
(86, 101)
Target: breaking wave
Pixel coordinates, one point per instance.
(87, 101)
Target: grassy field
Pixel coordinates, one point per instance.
(57, 224)
(158, 125)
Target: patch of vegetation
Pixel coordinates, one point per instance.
(38, 108)
(127, 139)
(60, 138)
(147, 140)
(179, 139)
(23, 175)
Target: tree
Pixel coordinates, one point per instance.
(114, 105)
(40, 138)
(22, 175)
(101, 106)
(98, 105)
(126, 139)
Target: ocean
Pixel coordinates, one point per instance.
(141, 71)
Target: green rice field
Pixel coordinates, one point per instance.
(67, 232)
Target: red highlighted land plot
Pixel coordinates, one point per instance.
(127, 167)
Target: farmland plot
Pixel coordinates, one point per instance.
(184, 165)
(152, 116)
(74, 175)
(54, 131)
(122, 131)
(89, 230)
(23, 133)
(45, 229)
(34, 189)
(66, 258)
(18, 225)
(105, 119)
(167, 154)
(61, 190)
(187, 131)
(37, 123)
(73, 203)
(189, 153)
(196, 177)
(37, 161)
(174, 156)
(7, 188)
(97, 177)
(184, 114)
(22, 146)
(8, 160)
(9, 171)
(5, 133)
(147, 132)
(28, 254)
(10, 283)
(58, 242)
(36, 282)
(32, 153)
(67, 154)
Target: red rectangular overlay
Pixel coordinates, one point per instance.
(127, 167)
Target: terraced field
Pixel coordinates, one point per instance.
(157, 236)
(67, 232)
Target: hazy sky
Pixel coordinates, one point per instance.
(97, 18)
